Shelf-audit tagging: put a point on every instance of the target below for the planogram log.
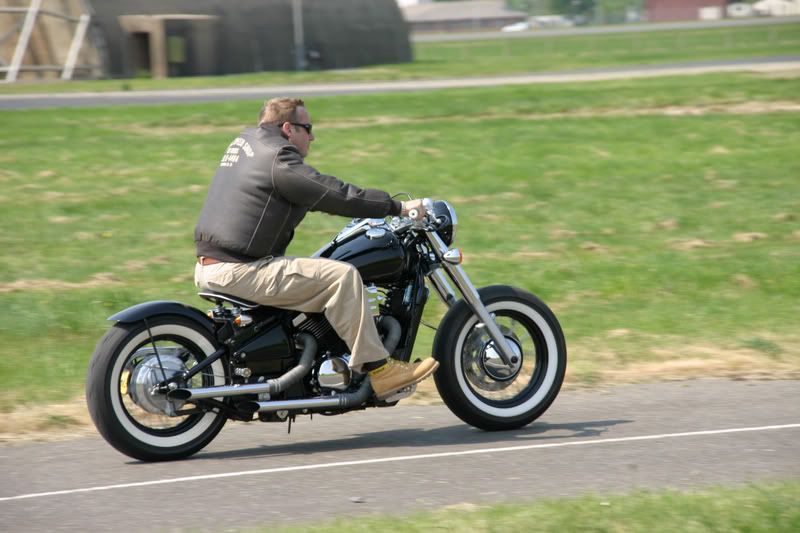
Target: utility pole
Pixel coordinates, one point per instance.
(299, 40)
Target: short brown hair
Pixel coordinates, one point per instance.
(276, 111)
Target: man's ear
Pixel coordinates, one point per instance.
(286, 129)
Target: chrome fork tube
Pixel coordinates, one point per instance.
(470, 293)
(442, 287)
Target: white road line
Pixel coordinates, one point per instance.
(400, 458)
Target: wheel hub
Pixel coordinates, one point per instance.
(492, 363)
(147, 375)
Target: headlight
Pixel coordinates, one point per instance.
(447, 221)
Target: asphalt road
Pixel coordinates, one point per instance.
(671, 435)
(29, 101)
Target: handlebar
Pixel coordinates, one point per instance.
(414, 213)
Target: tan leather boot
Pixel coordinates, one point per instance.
(396, 375)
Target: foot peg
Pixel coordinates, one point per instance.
(403, 393)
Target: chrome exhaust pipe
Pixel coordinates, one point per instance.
(338, 401)
(271, 386)
(215, 392)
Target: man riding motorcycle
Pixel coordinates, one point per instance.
(260, 193)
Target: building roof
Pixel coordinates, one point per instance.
(443, 11)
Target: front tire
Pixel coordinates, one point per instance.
(123, 369)
(474, 383)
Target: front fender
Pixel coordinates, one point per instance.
(162, 307)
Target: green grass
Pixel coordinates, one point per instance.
(591, 210)
(501, 56)
(755, 508)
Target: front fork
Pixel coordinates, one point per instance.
(470, 294)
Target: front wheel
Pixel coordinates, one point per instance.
(472, 379)
(129, 361)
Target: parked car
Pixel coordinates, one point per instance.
(551, 21)
(517, 26)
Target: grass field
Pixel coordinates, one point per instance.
(659, 218)
(755, 508)
(501, 56)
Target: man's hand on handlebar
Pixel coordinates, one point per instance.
(415, 209)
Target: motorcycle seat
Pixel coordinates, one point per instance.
(218, 298)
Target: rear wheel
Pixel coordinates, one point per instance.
(125, 367)
(472, 379)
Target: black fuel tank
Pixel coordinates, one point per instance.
(377, 254)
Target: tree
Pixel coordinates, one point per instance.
(615, 11)
(528, 6)
(578, 10)
(599, 11)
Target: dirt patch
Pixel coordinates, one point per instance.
(101, 279)
(573, 298)
(787, 74)
(725, 184)
(59, 196)
(492, 256)
(61, 219)
(749, 236)
(719, 150)
(531, 254)
(740, 108)
(690, 244)
(744, 281)
(492, 217)
(479, 198)
(704, 361)
(433, 152)
(593, 247)
(108, 217)
(172, 131)
(46, 422)
(599, 152)
(669, 224)
(559, 234)
(135, 265)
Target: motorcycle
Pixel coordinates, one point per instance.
(166, 377)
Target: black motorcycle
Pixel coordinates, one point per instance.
(166, 377)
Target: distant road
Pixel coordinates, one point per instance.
(29, 101)
(679, 435)
(592, 30)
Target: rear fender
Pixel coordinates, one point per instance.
(162, 307)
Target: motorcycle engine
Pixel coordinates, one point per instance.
(333, 373)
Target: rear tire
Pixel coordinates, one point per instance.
(110, 393)
(473, 382)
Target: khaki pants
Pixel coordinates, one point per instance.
(308, 285)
